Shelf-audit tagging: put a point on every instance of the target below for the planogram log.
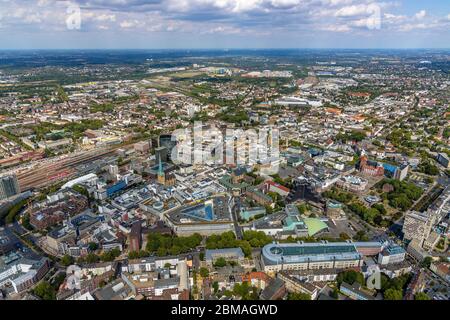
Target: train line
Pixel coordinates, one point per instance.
(50, 173)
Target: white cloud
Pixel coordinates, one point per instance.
(410, 26)
(393, 17)
(243, 17)
(223, 30)
(127, 24)
(106, 17)
(361, 23)
(421, 14)
(98, 16)
(336, 28)
(32, 18)
(43, 3)
(284, 3)
(352, 11)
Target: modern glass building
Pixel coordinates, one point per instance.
(204, 211)
(120, 185)
(9, 186)
(165, 140)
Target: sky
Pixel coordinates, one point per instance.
(155, 24)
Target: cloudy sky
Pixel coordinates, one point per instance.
(224, 24)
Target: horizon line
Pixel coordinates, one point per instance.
(233, 48)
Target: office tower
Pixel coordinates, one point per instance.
(165, 141)
(417, 225)
(9, 186)
(161, 154)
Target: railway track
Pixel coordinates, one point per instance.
(52, 172)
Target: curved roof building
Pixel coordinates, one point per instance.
(88, 177)
(301, 256)
(315, 225)
(310, 225)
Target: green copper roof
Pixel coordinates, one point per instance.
(314, 225)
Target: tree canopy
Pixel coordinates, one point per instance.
(421, 296)
(171, 245)
(204, 272)
(67, 260)
(393, 294)
(299, 296)
(350, 277)
(251, 239)
(45, 291)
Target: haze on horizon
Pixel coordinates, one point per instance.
(151, 24)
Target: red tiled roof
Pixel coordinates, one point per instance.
(277, 185)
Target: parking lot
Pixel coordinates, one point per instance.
(341, 226)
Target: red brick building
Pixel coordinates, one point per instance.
(135, 237)
(370, 168)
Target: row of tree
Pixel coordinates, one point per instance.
(14, 211)
(251, 239)
(163, 245)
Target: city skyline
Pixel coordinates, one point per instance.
(224, 151)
